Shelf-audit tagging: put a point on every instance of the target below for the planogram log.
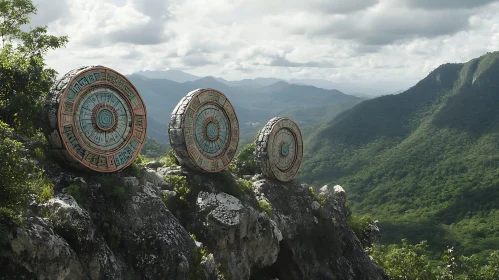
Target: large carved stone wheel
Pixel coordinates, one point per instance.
(204, 130)
(95, 119)
(279, 149)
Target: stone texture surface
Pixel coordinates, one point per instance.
(241, 238)
(150, 175)
(121, 228)
(269, 163)
(183, 112)
(38, 252)
(82, 155)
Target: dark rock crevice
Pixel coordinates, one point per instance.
(285, 267)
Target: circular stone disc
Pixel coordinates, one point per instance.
(97, 119)
(279, 149)
(204, 130)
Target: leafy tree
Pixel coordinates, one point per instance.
(14, 170)
(24, 82)
(408, 261)
(404, 261)
(24, 78)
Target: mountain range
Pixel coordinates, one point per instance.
(425, 162)
(254, 105)
(182, 77)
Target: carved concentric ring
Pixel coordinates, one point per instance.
(204, 130)
(97, 119)
(279, 149)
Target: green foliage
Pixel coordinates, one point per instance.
(312, 191)
(264, 206)
(25, 80)
(245, 185)
(40, 154)
(170, 159)
(408, 261)
(119, 192)
(180, 186)
(77, 192)
(361, 226)
(134, 170)
(46, 186)
(245, 162)
(140, 160)
(196, 271)
(153, 149)
(113, 188)
(19, 177)
(14, 170)
(182, 191)
(403, 262)
(422, 162)
(319, 197)
(228, 183)
(9, 220)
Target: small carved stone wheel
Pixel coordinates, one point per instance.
(204, 130)
(279, 149)
(96, 119)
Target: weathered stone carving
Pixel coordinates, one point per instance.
(95, 118)
(279, 149)
(204, 130)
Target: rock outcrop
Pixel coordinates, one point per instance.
(122, 227)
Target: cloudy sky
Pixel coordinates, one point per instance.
(380, 45)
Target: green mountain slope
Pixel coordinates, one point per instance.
(425, 163)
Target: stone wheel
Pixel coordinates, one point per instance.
(95, 118)
(279, 149)
(204, 130)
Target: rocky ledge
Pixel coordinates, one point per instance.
(174, 224)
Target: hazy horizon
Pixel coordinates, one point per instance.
(382, 46)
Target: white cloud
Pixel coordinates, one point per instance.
(385, 45)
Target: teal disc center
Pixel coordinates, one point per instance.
(285, 149)
(212, 131)
(105, 119)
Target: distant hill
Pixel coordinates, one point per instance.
(254, 105)
(172, 75)
(257, 82)
(181, 77)
(425, 162)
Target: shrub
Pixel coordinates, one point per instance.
(15, 183)
(141, 159)
(170, 159)
(245, 162)
(180, 186)
(264, 206)
(46, 187)
(404, 261)
(232, 185)
(245, 185)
